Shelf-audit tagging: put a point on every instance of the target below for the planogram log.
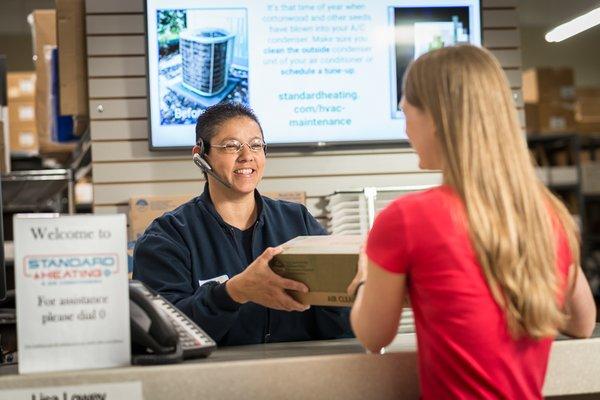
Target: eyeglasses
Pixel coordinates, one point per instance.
(235, 146)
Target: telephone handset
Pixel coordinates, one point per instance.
(160, 333)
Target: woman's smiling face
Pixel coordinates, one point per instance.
(242, 170)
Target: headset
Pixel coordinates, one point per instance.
(198, 153)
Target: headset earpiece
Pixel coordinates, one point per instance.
(204, 166)
(198, 158)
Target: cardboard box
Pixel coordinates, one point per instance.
(43, 32)
(70, 16)
(23, 139)
(20, 86)
(548, 84)
(587, 110)
(563, 175)
(22, 127)
(145, 209)
(550, 117)
(326, 264)
(21, 112)
(295, 197)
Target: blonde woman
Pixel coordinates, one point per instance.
(490, 259)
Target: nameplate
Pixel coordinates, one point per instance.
(71, 292)
(107, 391)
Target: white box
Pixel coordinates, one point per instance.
(564, 175)
(590, 178)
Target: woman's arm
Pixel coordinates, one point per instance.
(376, 312)
(580, 308)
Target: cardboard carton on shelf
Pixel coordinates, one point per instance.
(587, 110)
(550, 117)
(545, 84)
(21, 112)
(22, 127)
(144, 209)
(326, 264)
(43, 32)
(23, 139)
(20, 86)
(70, 30)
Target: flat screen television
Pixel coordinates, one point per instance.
(317, 73)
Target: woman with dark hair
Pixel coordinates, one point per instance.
(210, 256)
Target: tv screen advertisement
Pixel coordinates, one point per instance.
(316, 73)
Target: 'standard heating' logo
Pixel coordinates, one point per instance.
(70, 267)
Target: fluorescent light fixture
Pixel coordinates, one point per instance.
(575, 26)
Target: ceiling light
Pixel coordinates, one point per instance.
(575, 26)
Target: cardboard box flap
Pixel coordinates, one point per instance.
(330, 244)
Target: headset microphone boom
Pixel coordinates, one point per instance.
(206, 168)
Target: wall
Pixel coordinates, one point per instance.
(15, 33)
(124, 167)
(18, 49)
(579, 52)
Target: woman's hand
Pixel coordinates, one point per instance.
(361, 273)
(259, 284)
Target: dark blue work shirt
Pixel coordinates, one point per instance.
(244, 239)
(182, 251)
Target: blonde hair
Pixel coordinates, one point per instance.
(510, 214)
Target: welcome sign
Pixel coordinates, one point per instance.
(72, 292)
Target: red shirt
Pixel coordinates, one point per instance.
(465, 350)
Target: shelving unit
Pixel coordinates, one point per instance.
(352, 212)
(575, 184)
(38, 191)
(45, 190)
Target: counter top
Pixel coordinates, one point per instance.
(319, 369)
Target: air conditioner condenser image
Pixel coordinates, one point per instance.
(205, 59)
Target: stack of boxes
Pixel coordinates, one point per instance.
(587, 110)
(549, 96)
(553, 105)
(587, 118)
(21, 113)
